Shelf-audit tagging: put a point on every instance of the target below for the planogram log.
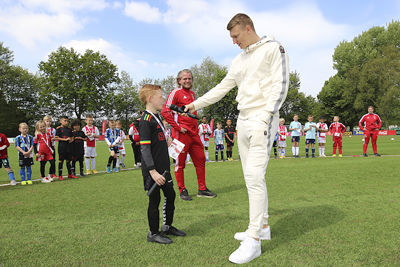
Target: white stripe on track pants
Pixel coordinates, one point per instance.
(255, 138)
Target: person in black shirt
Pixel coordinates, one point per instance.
(155, 161)
(229, 138)
(78, 146)
(64, 138)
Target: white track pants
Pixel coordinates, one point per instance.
(255, 139)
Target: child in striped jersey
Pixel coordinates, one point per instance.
(219, 141)
(282, 132)
(112, 140)
(24, 145)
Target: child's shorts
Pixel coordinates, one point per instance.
(282, 143)
(219, 147)
(25, 162)
(310, 141)
(46, 156)
(295, 139)
(5, 163)
(114, 148)
(321, 140)
(90, 152)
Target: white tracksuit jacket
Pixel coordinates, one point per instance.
(261, 73)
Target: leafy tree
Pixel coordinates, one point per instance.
(367, 74)
(81, 83)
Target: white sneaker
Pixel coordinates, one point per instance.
(264, 235)
(249, 249)
(44, 180)
(13, 182)
(49, 178)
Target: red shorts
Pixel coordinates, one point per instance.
(44, 157)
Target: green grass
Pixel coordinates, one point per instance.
(323, 212)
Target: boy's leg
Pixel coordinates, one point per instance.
(10, 173)
(222, 154)
(110, 160)
(93, 162)
(81, 166)
(216, 152)
(73, 165)
(22, 173)
(297, 149)
(340, 146)
(313, 150)
(87, 163)
(169, 206)
(68, 163)
(42, 169)
(53, 164)
(29, 172)
(206, 152)
(307, 145)
(152, 211)
(60, 167)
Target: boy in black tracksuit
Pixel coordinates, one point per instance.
(155, 161)
(77, 146)
(64, 138)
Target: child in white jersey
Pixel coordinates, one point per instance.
(322, 129)
(282, 132)
(91, 133)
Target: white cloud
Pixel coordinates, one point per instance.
(65, 5)
(301, 27)
(30, 28)
(142, 11)
(117, 5)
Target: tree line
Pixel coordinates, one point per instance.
(73, 84)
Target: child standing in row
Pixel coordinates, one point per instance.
(52, 132)
(205, 132)
(91, 133)
(229, 138)
(219, 141)
(24, 145)
(4, 144)
(78, 150)
(64, 138)
(155, 162)
(337, 129)
(310, 128)
(42, 148)
(282, 132)
(295, 128)
(122, 152)
(322, 129)
(112, 140)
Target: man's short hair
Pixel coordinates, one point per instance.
(89, 116)
(240, 19)
(148, 90)
(179, 76)
(63, 117)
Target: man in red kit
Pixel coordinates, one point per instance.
(185, 130)
(370, 123)
(337, 129)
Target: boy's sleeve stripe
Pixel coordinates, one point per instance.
(145, 142)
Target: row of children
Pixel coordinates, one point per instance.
(311, 130)
(73, 145)
(219, 134)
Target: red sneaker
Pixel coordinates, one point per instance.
(72, 176)
(53, 176)
(60, 178)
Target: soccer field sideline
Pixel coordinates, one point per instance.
(211, 161)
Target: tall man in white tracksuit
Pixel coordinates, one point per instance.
(261, 72)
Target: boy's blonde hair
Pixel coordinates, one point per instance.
(282, 119)
(47, 117)
(37, 125)
(111, 122)
(148, 90)
(22, 124)
(118, 122)
(89, 116)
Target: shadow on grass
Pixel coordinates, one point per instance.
(230, 188)
(299, 222)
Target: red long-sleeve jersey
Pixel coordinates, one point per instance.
(4, 141)
(337, 129)
(370, 122)
(179, 97)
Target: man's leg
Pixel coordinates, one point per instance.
(374, 138)
(340, 145)
(181, 162)
(367, 135)
(196, 152)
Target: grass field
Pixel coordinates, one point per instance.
(323, 212)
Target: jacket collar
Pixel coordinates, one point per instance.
(256, 45)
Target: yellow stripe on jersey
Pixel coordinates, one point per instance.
(147, 117)
(145, 142)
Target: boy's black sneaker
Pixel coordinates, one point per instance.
(82, 174)
(158, 238)
(170, 230)
(365, 155)
(184, 195)
(206, 193)
(377, 154)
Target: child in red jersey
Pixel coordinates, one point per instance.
(42, 148)
(4, 158)
(337, 129)
(48, 121)
(282, 132)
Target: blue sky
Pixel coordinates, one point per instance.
(153, 39)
